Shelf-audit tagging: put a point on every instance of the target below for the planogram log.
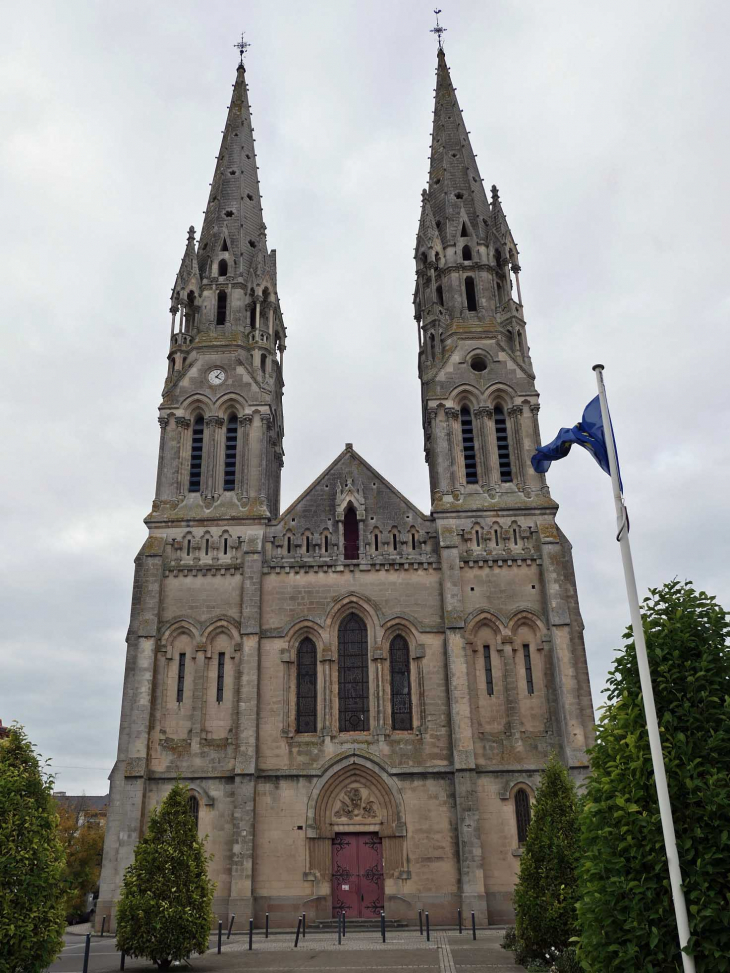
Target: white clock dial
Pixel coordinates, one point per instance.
(216, 376)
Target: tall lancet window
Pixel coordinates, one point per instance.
(523, 813)
(401, 707)
(471, 294)
(196, 455)
(353, 685)
(307, 686)
(220, 311)
(351, 530)
(229, 467)
(467, 440)
(500, 430)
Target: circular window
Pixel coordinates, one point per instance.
(478, 364)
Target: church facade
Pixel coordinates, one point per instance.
(359, 694)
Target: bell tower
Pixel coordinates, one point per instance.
(479, 399)
(221, 417)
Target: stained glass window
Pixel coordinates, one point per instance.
(307, 687)
(488, 670)
(400, 684)
(523, 813)
(353, 681)
(194, 808)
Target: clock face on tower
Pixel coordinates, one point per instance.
(216, 376)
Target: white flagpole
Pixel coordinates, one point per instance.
(657, 758)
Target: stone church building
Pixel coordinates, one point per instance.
(358, 694)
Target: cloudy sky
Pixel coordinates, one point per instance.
(605, 127)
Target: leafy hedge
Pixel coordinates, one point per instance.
(164, 912)
(32, 889)
(626, 915)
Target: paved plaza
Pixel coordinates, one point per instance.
(404, 950)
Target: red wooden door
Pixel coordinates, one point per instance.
(358, 883)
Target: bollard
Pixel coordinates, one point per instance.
(220, 934)
(250, 933)
(344, 924)
(420, 920)
(121, 961)
(304, 925)
(103, 925)
(382, 925)
(428, 930)
(473, 927)
(299, 929)
(339, 928)
(230, 925)
(87, 950)
(459, 911)
(266, 936)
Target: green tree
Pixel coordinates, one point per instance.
(626, 916)
(164, 911)
(83, 844)
(32, 892)
(546, 891)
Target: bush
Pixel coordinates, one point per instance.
(567, 962)
(546, 892)
(509, 940)
(32, 891)
(164, 912)
(625, 912)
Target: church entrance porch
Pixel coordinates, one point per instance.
(358, 882)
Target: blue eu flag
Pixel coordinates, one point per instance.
(587, 433)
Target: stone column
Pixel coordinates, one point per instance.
(379, 716)
(505, 648)
(210, 456)
(243, 460)
(482, 416)
(257, 300)
(286, 722)
(534, 409)
(265, 420)
(326, 659)
(452, 418)
(198, 696)
(518, 459)
(181, 426)
(159, 487)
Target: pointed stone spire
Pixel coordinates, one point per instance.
(456, 192)
(188, 276)
(233, 216)
(428, 234)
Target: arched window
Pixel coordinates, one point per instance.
(500, 430)
(220, 313)
(307, 687)
(353, 682)
(424, 258)
(229, 466)
(432, 345)
(466, 252)
(471, 294)
(523, 813)
(351, 531)
(520, 346)
(194, 808)
(528, 670)
(263, 364)
(191, 298)
(222, 268)
(440, 294)
(196, 455)
(500, 294)
(252, 316)
(401, 706)
(467, 441)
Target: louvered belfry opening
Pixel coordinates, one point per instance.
(229, 466)
(351, 530)
(400, 684)
(196, 455)
(500, 430)
(307, 686)
(467, 440)
(353, 681)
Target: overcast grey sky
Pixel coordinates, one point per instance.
(605, 127)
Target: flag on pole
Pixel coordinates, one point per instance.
(588, 433)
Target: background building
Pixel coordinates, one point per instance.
(359, 694)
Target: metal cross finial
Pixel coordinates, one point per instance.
(242, 46)
(438, 30)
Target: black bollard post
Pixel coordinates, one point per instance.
(230, 925)
(344, 923)
(121, 961)
(382, 925)
(473, 927)
(220, 934)
(103, 925)
(428, 930)
(250, 933)
(304, 925)
(299, 929)
(339, 928)
(87, 950)
(459, 911)
(420, 920)
(266, 936)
